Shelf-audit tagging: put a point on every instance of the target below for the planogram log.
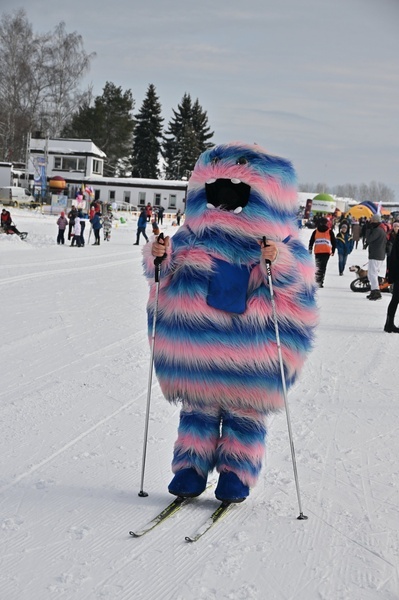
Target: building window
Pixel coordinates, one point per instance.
(111, 195)
(126, 197)
(97, 167)
(69, 163)
(141, 198)
(97, 194)
(157, 199)
(172, 201)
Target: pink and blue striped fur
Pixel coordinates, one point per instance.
(224, 366)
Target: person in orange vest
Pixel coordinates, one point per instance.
(322, 241)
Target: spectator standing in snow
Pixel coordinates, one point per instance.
(82, 226)
(391, 237)
(393, 277)
(141, 225)
(161, 211)
(107, 225)
(178, 217)
(148, 212)
(62, 223)
(344, 245)
(71, 216)
(77, 229)
(376, 241)
(323, 241)
(96, 225)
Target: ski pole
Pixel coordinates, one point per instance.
(301, 516)
(157, 263)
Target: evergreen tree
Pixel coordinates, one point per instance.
(147, 137)
(200, 123)
(186, 137)
(109, 124)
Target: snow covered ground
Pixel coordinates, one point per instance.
(74, 362)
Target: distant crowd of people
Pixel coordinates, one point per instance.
(380, 237)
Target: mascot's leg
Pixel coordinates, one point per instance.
(194, 451)
(240, 452)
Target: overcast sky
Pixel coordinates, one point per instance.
(316, 81)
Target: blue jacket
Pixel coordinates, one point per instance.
(142, 222)
(344, 243)
(96, 221)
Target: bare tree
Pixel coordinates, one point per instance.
(39, 79)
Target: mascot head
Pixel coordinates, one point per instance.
(239, 189)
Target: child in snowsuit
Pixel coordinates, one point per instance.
(107, 225)
(77, 230)
(215, 349)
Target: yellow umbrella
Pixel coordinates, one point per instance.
(360, 211)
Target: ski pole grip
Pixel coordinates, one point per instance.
(265, 244)
(158, 260)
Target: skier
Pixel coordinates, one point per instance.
(215, 348)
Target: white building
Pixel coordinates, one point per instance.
(80, 162)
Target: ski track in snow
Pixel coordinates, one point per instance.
(74, 372)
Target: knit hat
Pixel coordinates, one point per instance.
(375, 218)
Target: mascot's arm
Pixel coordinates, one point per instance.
(293, 268)
(148, 261)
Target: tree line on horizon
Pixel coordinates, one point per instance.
(375, 191)
(40, 78)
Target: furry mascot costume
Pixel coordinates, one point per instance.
(215, 348)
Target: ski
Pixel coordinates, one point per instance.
(217, 514)
(167, 512)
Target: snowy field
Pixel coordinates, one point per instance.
(74, 362)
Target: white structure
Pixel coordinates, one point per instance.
(80, 162)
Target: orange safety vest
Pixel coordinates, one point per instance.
(322, 242)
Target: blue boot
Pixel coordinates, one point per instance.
(187, 483)
(230, 488)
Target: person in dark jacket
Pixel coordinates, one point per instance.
(96, 225)
(391, 238)
(71, 216)
(141, 225)
(323, 241)
(393, 277)
(160, 213)
(344, 244)
(82, 227)
(376, 242)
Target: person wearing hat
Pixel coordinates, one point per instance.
(344, 243)
(376, 242)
